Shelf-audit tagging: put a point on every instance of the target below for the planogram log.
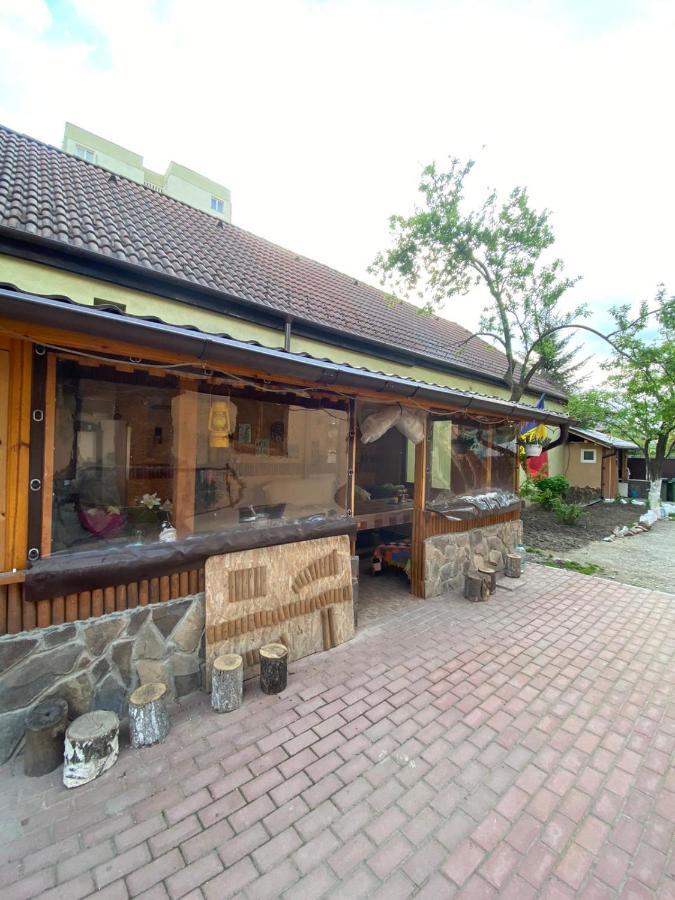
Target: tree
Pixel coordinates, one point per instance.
(443, 251)
(638, 400)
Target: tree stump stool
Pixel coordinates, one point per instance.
(148, 715)
(227, 682)
(475, 588)
(91, 747)
(489, 575)
(513, 565)
(45, 730)
(273, 668)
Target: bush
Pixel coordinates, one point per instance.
(567, 513)
(545, 491)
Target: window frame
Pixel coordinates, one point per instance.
(84, 153)
(217, 205)
(588, 462)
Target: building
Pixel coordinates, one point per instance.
(593, 459)
(177, 182)
(203, 427)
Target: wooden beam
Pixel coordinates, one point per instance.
(18, 444)
(419, 507)
(48, 465)
(185, 409)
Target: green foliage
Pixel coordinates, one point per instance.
(638, 400)
(544, 491)
(445, 250)
(573, 566)
(567, 513)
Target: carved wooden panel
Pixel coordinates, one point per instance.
(307, 604)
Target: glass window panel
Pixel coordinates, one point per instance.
(385, 473)
(113, 458)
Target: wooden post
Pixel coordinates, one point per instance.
(273, 668)
(417, 588)
(48, 464)
(148, 715)
(227, 682)
(513, 565)
(45, 731)
(185, 418)
(18, 448)
(475, 587)
(91, 747)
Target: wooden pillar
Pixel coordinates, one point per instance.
(419, 519)
(185, 420)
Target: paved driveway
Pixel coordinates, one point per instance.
(517, 748)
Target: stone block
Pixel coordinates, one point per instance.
(188, 633)
(111, 694)
(149, 643)
(136, 621)
(78, 692)
(54, 637)
(12, 650)
(35, 673)
(168, 615)
(99, 634)
(11, 733)
(183, 663)
(121, 656)
(150, 670)
(186, 684)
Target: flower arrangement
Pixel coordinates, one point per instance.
(154, 503)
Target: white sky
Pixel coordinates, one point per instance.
(319, 114)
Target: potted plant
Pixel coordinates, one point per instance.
(535, 440)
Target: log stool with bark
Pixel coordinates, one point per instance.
(475, 588)
(45, 731)
(489, 574)
(91, 747)
(273, 668)
(227, 682)
(513, 565)
(148, 715)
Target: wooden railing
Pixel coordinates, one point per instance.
(18, 614)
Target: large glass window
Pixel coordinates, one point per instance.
(385, 473)
(470, 458)
(134, 453)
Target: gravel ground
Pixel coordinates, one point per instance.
(542, 530)
(645, 560)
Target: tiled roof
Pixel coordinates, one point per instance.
(600, 437)
(52, 195)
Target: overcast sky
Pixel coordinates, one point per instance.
(319, 114)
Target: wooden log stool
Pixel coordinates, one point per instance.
(91, 747)
(475, 587)
(489, 574)
(148, 715)
(227, 682)
(45, 731)
(513, 565)
(273, 668)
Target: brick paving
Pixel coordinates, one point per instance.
(517, 748)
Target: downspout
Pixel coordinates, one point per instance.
(287, 334)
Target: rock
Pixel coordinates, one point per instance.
(121, 655)
(29, 678)
(167, 616)
(57, 636)
(111, 694)
(188, 633)
(137, 620)
(78, 692)
(149, 643)
(11, 733)
(91, 747)
(187, 684)
(183, 663)
(99, 634)
(14, 649)
(101, 669)
(611, 538)
(149, 670)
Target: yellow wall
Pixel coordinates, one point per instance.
(582, 474)
(40, 279)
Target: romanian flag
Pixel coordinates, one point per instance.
(532, 433)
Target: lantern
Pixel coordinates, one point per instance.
(222, 421)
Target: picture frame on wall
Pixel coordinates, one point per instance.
(244, 434)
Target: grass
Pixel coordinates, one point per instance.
(573, 566)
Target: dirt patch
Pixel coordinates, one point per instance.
(542, 530)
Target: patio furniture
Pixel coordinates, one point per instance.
(273, 668)
(395, 555)
(513, 565)
(227, 682)
(91, 747)
(148, 715)
(45, 730)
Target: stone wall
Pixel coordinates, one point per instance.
(448, 557)
(95, 664)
